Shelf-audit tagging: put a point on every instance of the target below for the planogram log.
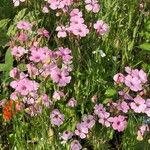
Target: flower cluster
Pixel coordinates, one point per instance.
(142, 130)
(83, 127)
(76, 25)
(40, 63)
(17, 2)
(134, 79)
(115, 114)
(92, 5)
(57, 5)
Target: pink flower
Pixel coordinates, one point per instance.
(14, 73)
(61, 77)
(72, 103)
(66, 135)
(101, 27)
(75, 145)
(143, 76)
(32, 70)
(80, 30)
(14, 96)
(94, 98)
(81, 130)
(22, 37)
(45, 9)
(58, 95)
(43, 32)
(34, 110)
(65, 53)
(59, 4)
(56, 4)
(119, 123)
(24, 25)
(61, 31)
(142, 129)
(119, 78)
(123, 106)
(104, 119)
(98, 109)
(46, 101)
(133, 83)
(89, 121)
(24, 86)
(128, 70)
(56, 117)
(18, 51)
(39, 54)
(138, 105)
(92, 5)
(76, 12)
(125, 95)
(147, 109)
(17, 2)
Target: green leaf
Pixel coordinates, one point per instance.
(3, 67)
(22, 67)
(110, 92)
(145, 46)
(9, 60)
(20, 15)
(3, 23)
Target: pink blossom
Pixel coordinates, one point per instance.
(119, 78)
(80, 30)
(59, 4)
(128, 70)
(39, 54)
(118, 123)
(45, 9)
(17, 2)
(125, 95)
(92, 5)
(15, 73)
(98, 108)
(72, 103)
(81, 130)
(101, 27)
(24, 86)
(56, 117)
(94, 98)
(18, 51)
(143, 76)
(76, 12)
(75, 145)
(147, 109)
(142, 129)
(89, 121)
(32, 70)
(22, 37)
(65, 53)
(43, 32)
(138, 105)
(61, 31)
(133, 83)
(104, 119)
(24, 25)
(46, 101)
(57, 95)
(66, 135)
(34, 110)
(123, 106)
(61, 77)
(14, 96)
